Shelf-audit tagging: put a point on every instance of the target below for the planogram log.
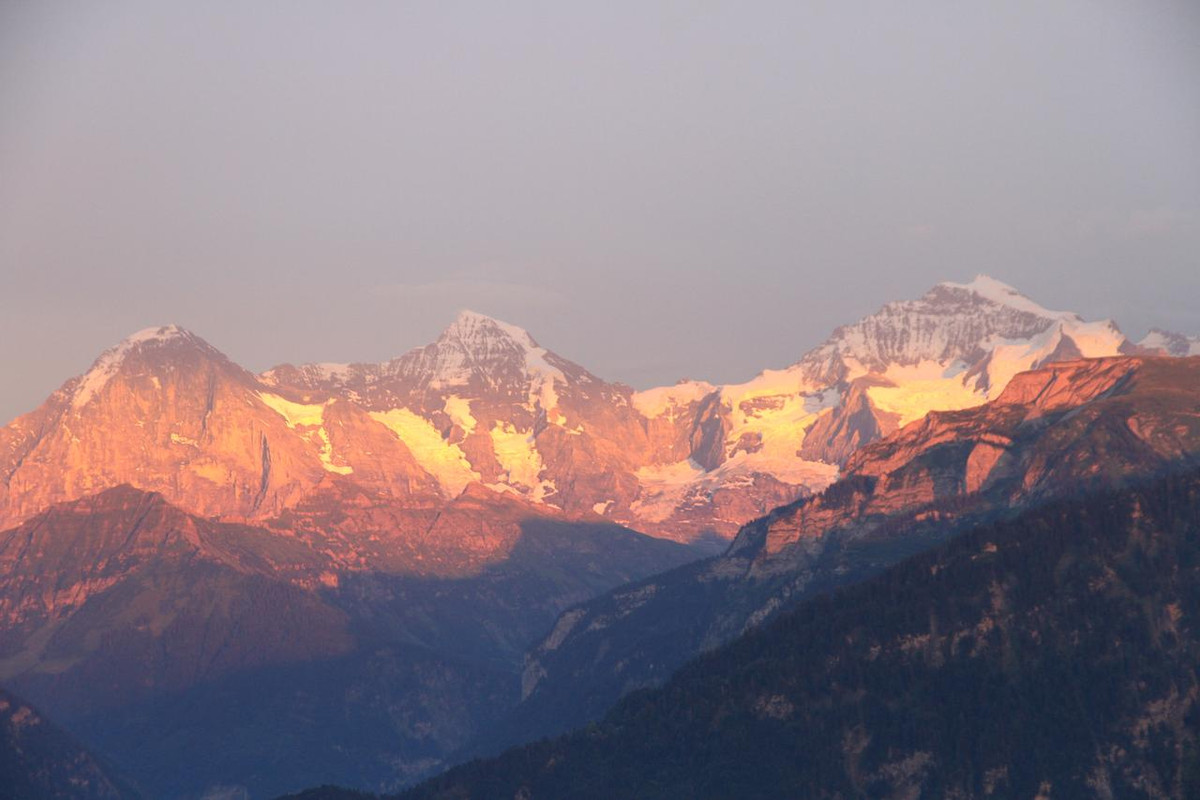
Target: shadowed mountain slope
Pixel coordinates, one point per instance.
(235, 655)
(1054, 432)
(39, 761)
(1055, 654)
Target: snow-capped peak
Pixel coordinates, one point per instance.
(954, 322)
(1171, 343)
(476, 346)
(471, 327)
(163, 333)
(1001, 293)
(110, 361)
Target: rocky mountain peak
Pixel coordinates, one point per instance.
(1170, 343)
(963, 324)
(477, 349)
(472, 329)
(166, 341)
(987, 288)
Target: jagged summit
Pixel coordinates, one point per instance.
(154, 337)
(484, 402)
(468, 324)
(161, 333)
(478, 348)
(481, 335)
(111, 360)
(475, 355)
(958, 323)
(1170, 343)
(1000, 293)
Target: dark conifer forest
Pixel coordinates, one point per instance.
(1050, 655)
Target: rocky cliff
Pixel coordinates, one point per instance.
(1053, 432)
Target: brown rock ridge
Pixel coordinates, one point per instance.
(181, 646)
(1067, 425)
(1056, 431)
(166, 412)
(486, 404)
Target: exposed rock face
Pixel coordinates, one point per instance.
(486, 404)
(1055, 431)
(1050, 654)
(166, 412)
(835, 436)
(176, 529)
(109, 582)
(162, 408)
(184, 533)
(956, 347)
(182, 647)
(1169, 343)
(950, 322)
(1060, 428)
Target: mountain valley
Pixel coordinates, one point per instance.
(223, 581)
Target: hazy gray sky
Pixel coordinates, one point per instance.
(655, 190)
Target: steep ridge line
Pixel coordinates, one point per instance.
(165, 411)
(918, 487)
(1047, 654)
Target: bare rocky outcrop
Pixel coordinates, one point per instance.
(486, 403)
(1057, 431)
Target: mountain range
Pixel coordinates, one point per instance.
(1054, 432)
(485, 404)
(1052, 654)
(362, 573)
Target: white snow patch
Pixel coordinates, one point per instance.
(1155, 340)
(326, 454)
(310, 418)
(768, 383)
(663, 489)
(459, 411)
(473, 335)
(294, 414)
(444, 461)
(1093, 339)
(668, 488)
(542, 375)
(1001, 293)
(520, 460)
(656, 402)
(1096, 339)
(926, 387)
(777, 409)
(1171, 343)
(769, 414)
